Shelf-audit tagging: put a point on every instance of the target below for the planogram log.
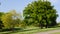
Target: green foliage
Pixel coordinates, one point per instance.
(11, 19)
(40, 12)
(1, 24)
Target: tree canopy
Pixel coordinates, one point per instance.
(41, 13)
(11, 19)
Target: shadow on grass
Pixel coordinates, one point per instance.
(9, 31)
(15, 30)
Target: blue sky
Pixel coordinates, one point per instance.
(19, 5)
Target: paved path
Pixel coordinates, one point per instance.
(49, 32)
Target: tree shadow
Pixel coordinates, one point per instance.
(15, 30)
(9, 31)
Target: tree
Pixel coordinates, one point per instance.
(1, 24)
(10, 19)
(40, 12)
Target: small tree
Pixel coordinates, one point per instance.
(10, 19)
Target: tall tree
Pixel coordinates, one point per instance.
(40, 12)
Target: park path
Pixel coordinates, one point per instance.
(48, 32)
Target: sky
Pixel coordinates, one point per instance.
(19, 5)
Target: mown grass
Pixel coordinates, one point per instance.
(29, 30)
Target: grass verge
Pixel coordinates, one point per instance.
(30, 31)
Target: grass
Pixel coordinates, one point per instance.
(29, 30)
(37, 30)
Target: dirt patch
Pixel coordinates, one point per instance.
(48, 32)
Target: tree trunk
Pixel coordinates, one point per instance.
(41, 25)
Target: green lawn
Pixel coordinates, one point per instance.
(31, 30)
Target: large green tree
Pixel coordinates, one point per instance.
(41, 13)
